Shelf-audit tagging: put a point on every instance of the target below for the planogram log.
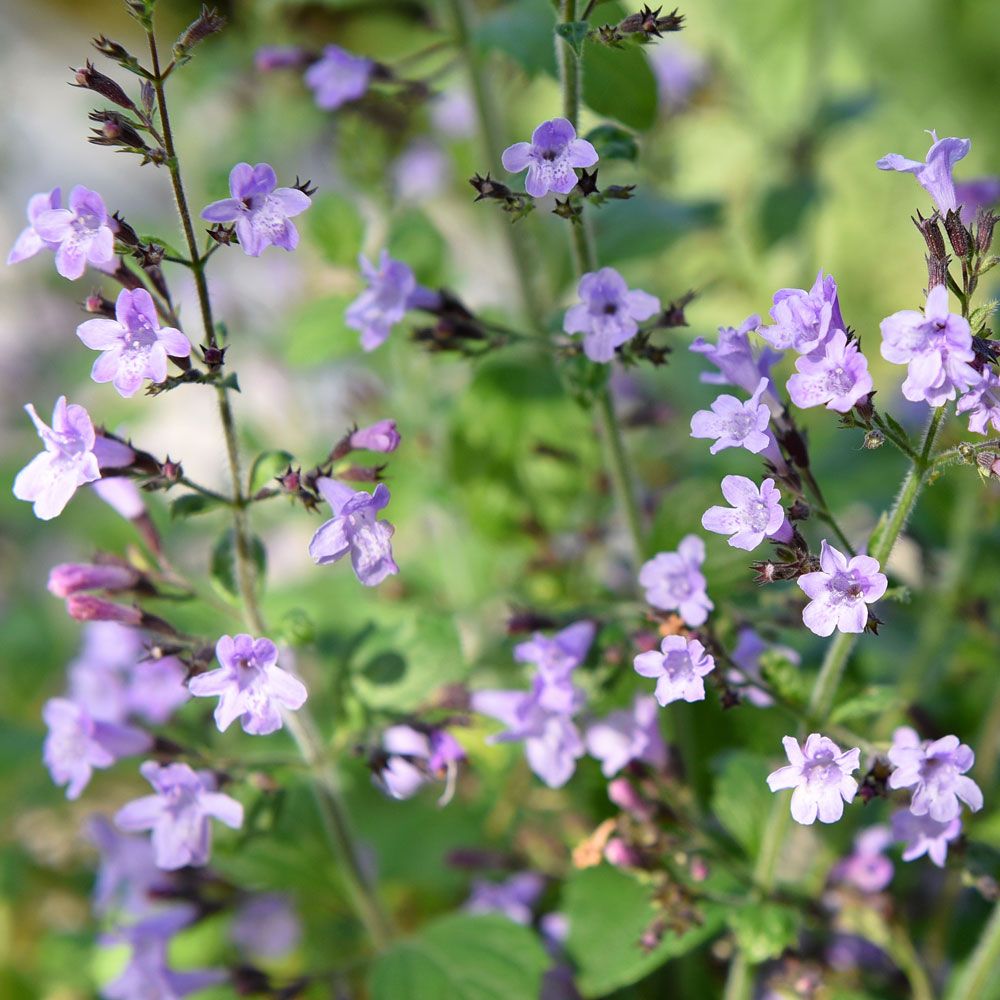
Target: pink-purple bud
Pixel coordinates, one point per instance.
(271, 57)
(70, 578)
(622, 793)
(87, 608)
(382, 436)
(621, 855)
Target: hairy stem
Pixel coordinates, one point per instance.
(301, 725)
(971, 983)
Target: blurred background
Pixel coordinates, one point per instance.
(758, 128)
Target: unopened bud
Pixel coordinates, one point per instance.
(874, 439)
(208, 22)
(864, 407)
(621, 855)
(382, 437)
(71, 578)
(97, 304)
(932, 234)
(985, 221)
(91, 79)
(171, 471)
(272, 57)
(958, 235)
(87, 608)
(623, 794)
(124, 233)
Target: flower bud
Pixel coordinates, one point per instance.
(958, 235)
(91, 79)
(621, 855)
(70, 578)
(985, 221)
(272, 57)
(931, 233)
(382, 437)
(171, 471)
(97, 304)
(623, 794)
(86, 608)
(208, 22)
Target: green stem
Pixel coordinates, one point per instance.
(824, 691)
(301, 725)
(981, 967)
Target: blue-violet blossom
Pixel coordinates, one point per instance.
(925, 835)
(735, 424)
(836, 374)
(866, 867)
(626, 735)
(550, 158)
(28, 243)
(338, 76)
(673, 581)
(679, 667)
(80, 234)
(804, 320)
(934, 175)
(820, 773)
(840, 591)
(982, 403)
(756, 513)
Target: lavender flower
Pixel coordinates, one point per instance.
(821, 776)
(840, 592)
(354, 528)
(80, 234)
(421, 172)
(934, 175)
(156, 689)
(679, 72)
(673, 581)
(980, 192)
(98, 676)
(982, 402)
(178, 813)
(836, 374)
(804, 320)
(382, 437)
(550, 158)
(514, 898)
(556, 657)
(338, 77)
(936, 346)
(734, 424)
(737, 361)
(271, 57)
(392, 290)
(266, 926)
(51, 478)
(127, 879)
(935, 770)
(250, 684)
(746, 656)
(756, 513)
(71, 578)
(29, 242)
(608, 313)
(627, 735)
(415, 757)
(552, 742)
(134, 345)
(925, 835)
(121, 494)
(679, 666)
(260, 209)
(76, 744)
(866, 867)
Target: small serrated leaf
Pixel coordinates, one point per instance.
(191, 504)
(266, 467)
(613, 143)
(223, 562)
(574, 33)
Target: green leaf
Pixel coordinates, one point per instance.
(574, 33)
(337, 228)
(740, 798)
(191, 504)
(522, 31)
(160, 242)
(783, 209)
(462, 957)
(619, 84)
(223, 562)
(764, 930)
(835, 112)
(872, 701)
(783, 675)
(608, 912)
(613, 143)
(896, 427)
(645, 225)
(415, 239)
(266, 467)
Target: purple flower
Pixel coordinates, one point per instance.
(552, 742)
(934, 176)
(737, 362)
(76, 744)
(557, 656)
(354, 528)
(381, 437)
(756, 513)
(866, 867)
(250, 685)
(121, 494)
(673, 581)
(924, 835)
(734, 424)
(415, 757)
(746, 655)
(29, 242)
(156, 689)
(804, 320)
(421, 172)
(178, 813)
(679, 72)
(514, 898)
(260, 209)
(982, 402)
(935, 770)
(134, 345)
(266, 926)
(836, 373)
(936, 346)
(627, 735)
(550, 158)
(87, 608)
(97, 677)
(337, 77)
(70, 578)
(679, 666)
(128, 879)
(840, 591)
(608, 313)
(51, 478)
(981, 192)
(821, 776)
(80, 234)
(272, 57)
(392, 290)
